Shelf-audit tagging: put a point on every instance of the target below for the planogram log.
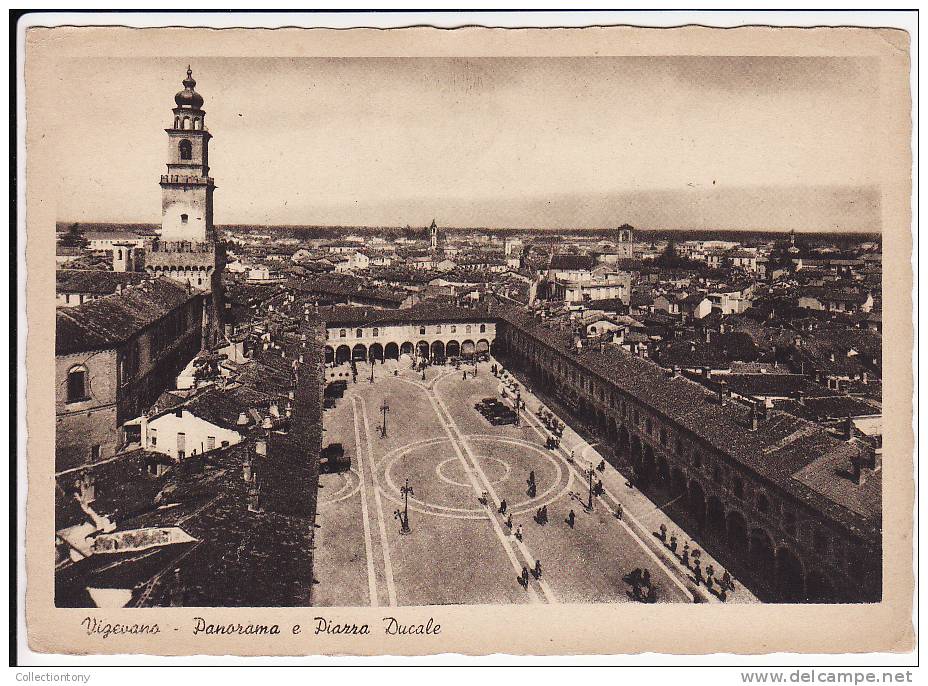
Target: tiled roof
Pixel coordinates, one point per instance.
(572, 262)
(775, 451)
(95, 281)
(113, 319)
(426, 312)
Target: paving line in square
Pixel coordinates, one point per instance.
(385, 543)
(365, 518)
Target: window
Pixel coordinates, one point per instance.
(153, 436)
(77, 384)
(95, 452)
(181, 445)
(376, 331)
(467, 328)
(210, 442)
(342, 333)
(186, 149)
(183, 219)
(359, 333)
(421, 330)
(483, 328)
(438, 329)
(454, 328)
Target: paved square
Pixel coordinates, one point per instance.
(460, 550)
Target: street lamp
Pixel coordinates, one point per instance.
(403, 516)
(589, 474)
(384, 408)
(372, 370)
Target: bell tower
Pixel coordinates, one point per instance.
(433, 236)
(187, 189)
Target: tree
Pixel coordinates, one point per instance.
(73, 238)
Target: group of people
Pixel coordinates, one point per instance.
(523, 577)
(541, 515)
(642, 589)
(691, 559)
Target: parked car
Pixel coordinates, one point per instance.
(333, 460)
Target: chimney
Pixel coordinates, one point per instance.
(800, 397)
(247, 473)
(797, 341)
(692, 347)
(723, 393)
(242, 419)
(754, 416)
(848, 428)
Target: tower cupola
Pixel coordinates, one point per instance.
(189, 98)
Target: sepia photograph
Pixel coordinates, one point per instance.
(437, 328)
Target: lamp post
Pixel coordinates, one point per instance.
(372, 370)
(589, 475)
(384, 407)
(403, 516)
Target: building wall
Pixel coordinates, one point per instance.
(79, 426)
(161, 434)
(655, 448)
(411, 333)
(123, 382)
(195, 202)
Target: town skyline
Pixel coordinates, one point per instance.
(497, 142)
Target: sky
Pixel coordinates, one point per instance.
(658, 142)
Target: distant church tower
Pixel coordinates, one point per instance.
(626, 244)
(433, 236)
(187, 250)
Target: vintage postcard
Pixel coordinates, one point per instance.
(419, 341)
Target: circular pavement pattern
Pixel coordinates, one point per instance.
(447, 485)
(338, 487)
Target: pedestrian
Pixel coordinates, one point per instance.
(571, 458)
(519, 533)
(509, 521)
(525, 576)
(601, 466)
(663, 530)
(673, 544)
(646, 578)
(531, 490)
(464, 377)
(531, 476)
(502, 506)
(618, 511)
(723, 596)
(686, 554)
(710, 572)
(570, 519)
(697, 572)
(537, 569)
(544, 514)
(727, 581)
